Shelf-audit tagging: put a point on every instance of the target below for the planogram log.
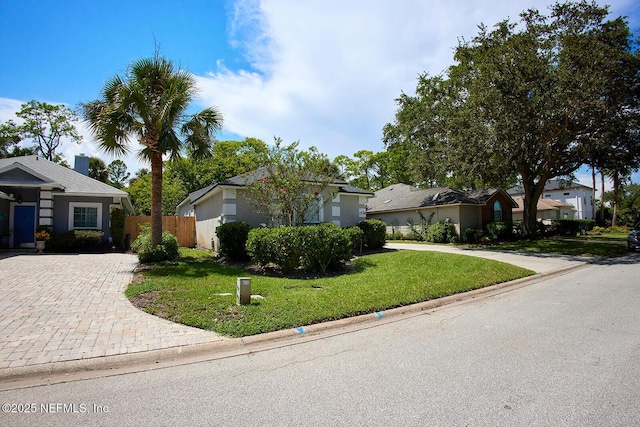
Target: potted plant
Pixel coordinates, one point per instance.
(42, 237)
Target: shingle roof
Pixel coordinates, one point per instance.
(262, 172)
(551, 185)
(543, 205)
(71, 181)
(403, 196)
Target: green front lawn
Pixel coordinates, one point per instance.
(198, 291)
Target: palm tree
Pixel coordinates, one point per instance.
(149, 103)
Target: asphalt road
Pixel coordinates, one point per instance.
(562, 351)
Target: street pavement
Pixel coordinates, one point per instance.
(56, 309)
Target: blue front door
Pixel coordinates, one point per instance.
(24, 225)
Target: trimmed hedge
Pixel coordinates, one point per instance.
(233, 239)
(77, 241)
(310, 248)
(375, 233)
(571, 227)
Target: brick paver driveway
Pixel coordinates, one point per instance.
(69, 307)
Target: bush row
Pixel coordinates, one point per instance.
(313, 248)
(76, 241)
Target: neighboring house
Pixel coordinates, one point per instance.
(226, 202)
(548, 210)
(567, 193)
(401, 207)
(35, 191)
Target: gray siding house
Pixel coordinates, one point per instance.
(225, 202)
(35, 191)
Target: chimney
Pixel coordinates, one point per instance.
(82, 164)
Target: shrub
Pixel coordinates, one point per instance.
(375, 233)
(280, 246)
(356, 235)
(324, 245)
(116, 227)
(472, 235)
(76, 241)
(233, 240)
(166, 250)
(567, 227)
(312, 248)
(499, 230)
(441, 232)
(395, 236)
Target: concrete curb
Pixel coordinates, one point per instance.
(58, 372)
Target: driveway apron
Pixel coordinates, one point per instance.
(57, 308)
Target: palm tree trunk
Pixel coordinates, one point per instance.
(602, 198)
(156, 198)
(593, 193)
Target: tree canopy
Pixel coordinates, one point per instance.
(290, 183)
(150, 103)
(46, 125)
(532, 99)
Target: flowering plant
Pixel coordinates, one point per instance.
(43, 235)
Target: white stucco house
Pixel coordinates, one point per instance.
(575, 200)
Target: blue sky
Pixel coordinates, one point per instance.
(325, 72)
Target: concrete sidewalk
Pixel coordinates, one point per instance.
(540, 263)
(68, 314)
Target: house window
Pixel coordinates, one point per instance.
(497, 211)
(566, 194)
(315, 214)
(547, 196)
(85, 216)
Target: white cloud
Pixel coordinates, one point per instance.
(327, 72)
(69, 149)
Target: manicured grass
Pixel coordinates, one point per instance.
(191, 290)
(622, 237)
(574, 246)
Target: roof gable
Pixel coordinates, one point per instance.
(247, 178)
(403, 197)
(53, 174)
(19, 174)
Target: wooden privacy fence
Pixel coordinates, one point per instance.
(183, 227)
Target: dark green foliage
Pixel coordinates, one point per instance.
(375, 233)
(442, 232)
(395, 236)
(500, 230)
(356, 235)
(472, 235)
(419, 231)
(325, 245)
(279, 246)
(77, 241)
(571, 227)
(233, 240)
(116, 227)
(166, 250)
(310, 248)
